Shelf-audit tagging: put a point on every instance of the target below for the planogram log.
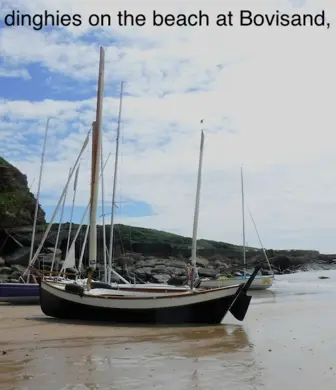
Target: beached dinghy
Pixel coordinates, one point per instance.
(261, 282)
(71, 301)
(19, 293)
(196, 306)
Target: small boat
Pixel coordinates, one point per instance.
(193, 306)
(22, 293)
(260, 282)
(71, 301)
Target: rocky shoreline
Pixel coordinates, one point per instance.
(159, 262)
(139, 253)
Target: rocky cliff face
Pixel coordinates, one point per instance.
(17, 203)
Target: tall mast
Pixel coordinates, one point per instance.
(96, 151)
(114, 185)
(243, 216)
(197, 203)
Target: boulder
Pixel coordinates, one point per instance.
(202, 262)
(143, 271)
(18, 257)
(159, 269)
(162, 278)
(5, 270)
(18, 268)
(206, 272)
(177, 281)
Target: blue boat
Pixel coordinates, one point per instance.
(21, 293)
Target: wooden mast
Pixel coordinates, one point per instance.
(196, 213)
(96, 152)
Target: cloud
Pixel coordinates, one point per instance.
(14, 73)
(266, 96)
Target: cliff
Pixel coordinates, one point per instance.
(17, 203)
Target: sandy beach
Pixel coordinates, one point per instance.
(287, 341)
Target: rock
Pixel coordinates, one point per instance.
(176, 281)
(47, 259)
(144, 270)
(162, 278)
(159, 269)
(175, 263)
(15, 275)
(205, 272)
(282, 262)
(202, 262)
(126, 259)
(18, 257)
(5, 271)
(266, 272)
(147, 263)
(224, 267)
(2, 262)
(177, 271)
(57, 251)
(18, 268)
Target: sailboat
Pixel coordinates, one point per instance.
(260, 282)
(125, 286)
(197, 306)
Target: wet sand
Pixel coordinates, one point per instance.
(286, 341)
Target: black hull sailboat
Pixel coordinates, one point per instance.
(191, 307)
(83, 302)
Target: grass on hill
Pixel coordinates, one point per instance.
(145, 235)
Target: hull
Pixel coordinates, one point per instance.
(259, 283)
(21, 293)
(198, 307)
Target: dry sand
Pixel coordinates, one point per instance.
(287, 341)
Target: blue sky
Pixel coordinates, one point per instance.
(134, 209)
(35, 83)
(263, 94)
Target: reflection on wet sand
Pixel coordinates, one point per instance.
(212, 341)
(181, 357)
(263, 296)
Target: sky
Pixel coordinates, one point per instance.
(266, 96)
